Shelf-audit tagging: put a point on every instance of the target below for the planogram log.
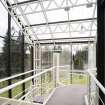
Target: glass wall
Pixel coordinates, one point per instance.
(47, 56)
(3, 53)
(75, 53)
(15, 49)
(72, 57)
(80, 56)
(15, 54)
(3, 34)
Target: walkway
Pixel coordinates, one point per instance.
(68, 95)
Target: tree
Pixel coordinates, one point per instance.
(47, 58)
(80, 58)
(15, 54)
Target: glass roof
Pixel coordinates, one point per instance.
(50, 19)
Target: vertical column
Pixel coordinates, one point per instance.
(40, 65)
(56, 61)
(32, 61)
(57, 64)
(92, 55)
(9, 52)
(35, 55)
(22, 63)
(92, 64)
(100, 51)
(34, 68)
(71, 63)
(54, 71)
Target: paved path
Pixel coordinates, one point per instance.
(68, 95)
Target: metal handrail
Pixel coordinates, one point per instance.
(23, 81)
(27, 72)
(88, 71)
(17, 75)
(100, 86)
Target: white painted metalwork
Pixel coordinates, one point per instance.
(45, 7)
(19, 7)
(17, 75)
(23, 81)
(19, 24)
(97, 82)
(49, 9)
(75, 72)
(45, 16)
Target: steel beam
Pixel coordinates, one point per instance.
(51, 9)
(50, 23)
(13, 13)
(74, 42)
(26, 2)
(67, 38)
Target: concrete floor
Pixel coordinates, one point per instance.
(68, 95)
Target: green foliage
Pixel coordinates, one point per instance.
(47, 58)
(79, 59)
(15, 55)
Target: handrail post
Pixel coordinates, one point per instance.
(89, 94)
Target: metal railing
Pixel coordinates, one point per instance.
(93, 96)
(41, 86)
(46, 81)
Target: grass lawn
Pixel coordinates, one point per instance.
(3, 84)
(16, 90)
(75, 79)
(66, 78)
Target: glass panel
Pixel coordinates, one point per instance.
(16, 57)
(28, 63)
(3, 58)
(36, 18)
(3, 21)
(14, 29)
(61, 35)
(15, 49)
(46, 36)
(65, 55)
(83, 11)
(80, 56)
(3, 65)
(47, 56)
(58, 15)
(83, 34)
